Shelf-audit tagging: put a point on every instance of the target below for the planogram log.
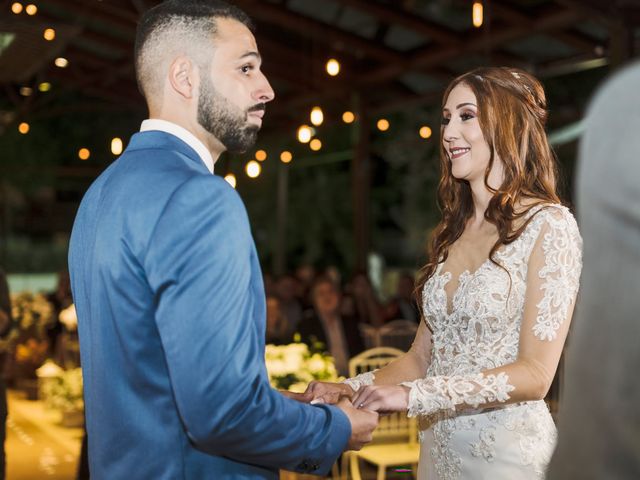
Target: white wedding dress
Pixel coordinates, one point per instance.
(494, 337)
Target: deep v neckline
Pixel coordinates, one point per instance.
(463, 278)
(466, 275)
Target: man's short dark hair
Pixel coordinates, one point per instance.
(161, 26)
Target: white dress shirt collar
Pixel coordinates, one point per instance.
(183, 134)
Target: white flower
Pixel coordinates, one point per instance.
(69, 318)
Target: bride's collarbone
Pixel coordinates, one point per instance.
(468, 253)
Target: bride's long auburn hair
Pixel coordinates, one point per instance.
(512, 112)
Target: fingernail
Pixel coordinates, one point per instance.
(315, 401)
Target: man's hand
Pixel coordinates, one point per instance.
(300, 397)
(327, 392)
(382, 398)
(363, 423)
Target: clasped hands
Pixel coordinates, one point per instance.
(362, 407)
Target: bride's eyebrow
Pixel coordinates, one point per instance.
(466, 104)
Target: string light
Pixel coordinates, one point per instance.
(261, 155)
(24, 128)
(16, 8)
(304, 134)
(61, 62)
(286, 157)
(231, 179)
(253, 169)
(84, 154)
(316, 116)
(315, 144)
(333, 67)
(26, 91)
(44, 87)
(31, 9)
(477, 14)
(49, 34)
(116, 145)
(348, 117)
(425, 132)
(383, 124)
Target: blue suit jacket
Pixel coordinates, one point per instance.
(171, 316)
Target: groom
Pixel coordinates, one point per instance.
(167, 283)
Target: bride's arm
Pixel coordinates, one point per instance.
(552, 284)
(410, 366)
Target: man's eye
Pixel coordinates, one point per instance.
(246, 68)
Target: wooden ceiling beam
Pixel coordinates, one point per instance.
(411, 22)
(429, 57)
(317, 30)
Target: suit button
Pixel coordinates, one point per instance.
(303, 466)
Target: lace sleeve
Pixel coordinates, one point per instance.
(560, 249)
(553, 272)
(361, 380)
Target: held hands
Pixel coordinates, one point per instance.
(382, 398)
(326, 392)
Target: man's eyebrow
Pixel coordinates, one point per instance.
(256, 55)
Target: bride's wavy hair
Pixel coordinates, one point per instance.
(512, 112)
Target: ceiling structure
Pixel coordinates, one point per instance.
(395, 54)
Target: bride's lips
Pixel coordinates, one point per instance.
(457, 152)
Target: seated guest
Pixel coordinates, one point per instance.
(276, 322)
(403, 305)
(361, 301)
(286, 289)
(325, 324)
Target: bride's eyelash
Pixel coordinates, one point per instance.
(444, 121)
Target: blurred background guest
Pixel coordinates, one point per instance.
(326, 324)
(276, 322)
(362, 302)
(403, 305)
(286, 290)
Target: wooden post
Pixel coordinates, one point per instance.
(280, 251)
(361, 185)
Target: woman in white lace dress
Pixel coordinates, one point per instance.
(497, 293)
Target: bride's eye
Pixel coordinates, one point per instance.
(445, 121)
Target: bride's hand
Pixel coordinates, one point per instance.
(327, 392)
(382, 398)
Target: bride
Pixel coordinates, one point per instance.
(498, 292)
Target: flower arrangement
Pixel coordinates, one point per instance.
(292, 367)
(63, 391)
(32, 314)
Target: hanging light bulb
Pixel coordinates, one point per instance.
(315, 144)
(286, 157)
(116, 146)
(316, 116)
(44, 87)
(231, 179)
(383, 125)
(261, 155)
(24, 128)
(49, 34)
(348, 117)
(84, 154)
(425, 131)
(304, 134)
(477, 14)
(253, 169)
(16, 7)
(333, 67)
(61, 62)
(31, 9)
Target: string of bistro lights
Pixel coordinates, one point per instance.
(306, 134)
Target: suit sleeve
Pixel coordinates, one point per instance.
(199, 266)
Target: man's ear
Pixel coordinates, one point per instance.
(183, 76)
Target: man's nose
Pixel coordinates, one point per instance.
(263, 93)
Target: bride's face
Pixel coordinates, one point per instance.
(462, 137)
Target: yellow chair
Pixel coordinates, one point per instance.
(395, 440)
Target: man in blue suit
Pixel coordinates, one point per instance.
(167, 284)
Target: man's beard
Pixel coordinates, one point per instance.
(225, 121)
